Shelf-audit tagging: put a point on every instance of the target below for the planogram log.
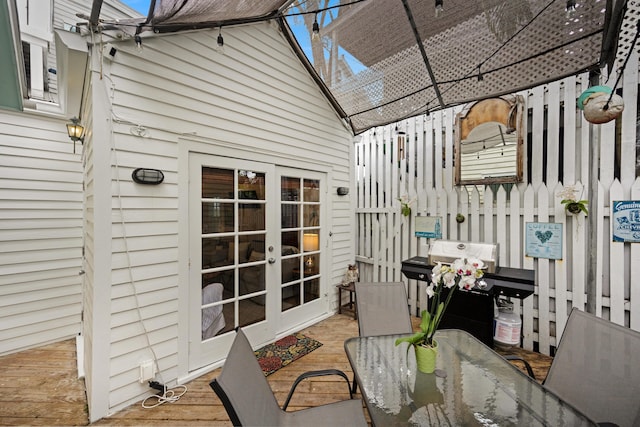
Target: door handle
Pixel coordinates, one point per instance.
(272, 260)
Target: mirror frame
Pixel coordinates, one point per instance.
(507, 110)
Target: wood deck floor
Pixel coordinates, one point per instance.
(40, 386)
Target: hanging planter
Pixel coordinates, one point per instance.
(575, 206)
(600, 105)
(571, 201)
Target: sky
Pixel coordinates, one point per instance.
(141, 6)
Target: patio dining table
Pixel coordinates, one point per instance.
(472, 386)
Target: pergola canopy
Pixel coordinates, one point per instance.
(379, 61)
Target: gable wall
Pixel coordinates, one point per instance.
(179, 92)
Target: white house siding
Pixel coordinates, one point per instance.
(41, 211)
(176, 91)
(40, 232)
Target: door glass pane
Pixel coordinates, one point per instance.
(251, 312)
(251, 216)
(217, 217)
(215, 252)
(290, 296)
(311, 190)
(311, 215)
(251, 185)
(217, 183)
(290, 189)
(290, 215)
(311, 290)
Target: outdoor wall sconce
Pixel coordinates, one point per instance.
(343, 191)
(75, 130)
(147, 176)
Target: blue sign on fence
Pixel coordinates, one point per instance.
(428, 226)
(626, 221)
(544, 240)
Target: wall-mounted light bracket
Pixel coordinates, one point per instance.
(147, 176)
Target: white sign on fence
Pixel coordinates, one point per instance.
(544, 240)
(626, 221)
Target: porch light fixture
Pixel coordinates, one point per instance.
(571, 8)
(147, 176)
(315, 29)
(75, 130)
(439, 8)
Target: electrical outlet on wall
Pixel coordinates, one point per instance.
(147, 371)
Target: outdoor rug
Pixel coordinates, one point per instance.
(274, 356)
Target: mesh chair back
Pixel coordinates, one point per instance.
(382, 309)
(243, 388)
(597, 369)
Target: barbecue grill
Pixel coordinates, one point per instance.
(473, 310)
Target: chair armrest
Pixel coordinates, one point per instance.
(319, 373)
(512, 357)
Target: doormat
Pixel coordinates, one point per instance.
(274, 356)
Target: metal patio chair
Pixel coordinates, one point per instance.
(383, 309)
(596, 369)
(249, 400)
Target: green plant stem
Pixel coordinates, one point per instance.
(436, 321)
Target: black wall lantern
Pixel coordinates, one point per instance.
(75, 130)
(147, 176)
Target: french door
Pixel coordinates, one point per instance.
(255, 246)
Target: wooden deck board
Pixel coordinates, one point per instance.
(40, 386)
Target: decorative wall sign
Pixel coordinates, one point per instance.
(626, 221)
(428, 226)
(544, 240)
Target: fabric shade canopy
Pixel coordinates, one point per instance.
(379, 61)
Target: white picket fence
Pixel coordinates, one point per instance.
(386, 237)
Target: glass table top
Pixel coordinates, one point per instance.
(472, 386)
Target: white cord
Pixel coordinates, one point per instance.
(169, 396)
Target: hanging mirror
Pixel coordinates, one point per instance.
(489, 141)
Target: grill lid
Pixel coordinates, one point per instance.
(447, 251)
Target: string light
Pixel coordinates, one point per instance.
(480, 76)
(315, 29)
(439, 8)
(220, 41)
(138, 41)
(570, 8)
